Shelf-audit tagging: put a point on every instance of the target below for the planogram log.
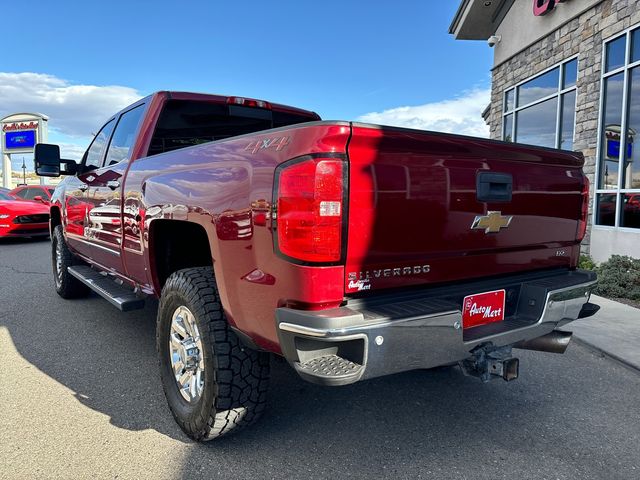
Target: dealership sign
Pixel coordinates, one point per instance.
(11, 127)
(20, 135)
(20, 132)
(542, 7)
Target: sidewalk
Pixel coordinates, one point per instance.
(615, 330)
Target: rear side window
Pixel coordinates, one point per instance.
(184, 123)
(124, 135)
(96, 150)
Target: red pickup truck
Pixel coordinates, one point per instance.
(351, 250)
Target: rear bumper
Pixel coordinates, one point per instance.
(383, 335)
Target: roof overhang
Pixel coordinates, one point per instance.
(478, 19)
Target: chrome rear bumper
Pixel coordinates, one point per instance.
(384, 335)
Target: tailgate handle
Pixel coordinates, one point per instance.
(494, 187)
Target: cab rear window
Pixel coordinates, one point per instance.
(184, 123)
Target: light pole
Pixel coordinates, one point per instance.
(24, 172)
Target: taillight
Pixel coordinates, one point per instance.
(582, 224)
(309, 199)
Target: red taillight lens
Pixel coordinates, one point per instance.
(584, 214)
(310, 209)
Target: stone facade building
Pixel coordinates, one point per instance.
(566, 74)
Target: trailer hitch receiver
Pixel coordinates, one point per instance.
(490, 362)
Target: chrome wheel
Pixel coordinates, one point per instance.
(186, 353)
(57, 262)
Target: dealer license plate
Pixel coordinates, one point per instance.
(483, 308)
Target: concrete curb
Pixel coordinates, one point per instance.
(612, 356)
(614, 331)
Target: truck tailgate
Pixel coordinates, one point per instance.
(416, 216)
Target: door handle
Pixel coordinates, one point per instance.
(83, 187)
(113, 184)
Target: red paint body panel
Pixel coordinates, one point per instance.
(411, 202)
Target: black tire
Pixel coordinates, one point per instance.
(236, 378)
(67, 286)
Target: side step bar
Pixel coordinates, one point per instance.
(117, 295)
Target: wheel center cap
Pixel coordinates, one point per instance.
(189, 354)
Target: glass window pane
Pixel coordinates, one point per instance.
(96, 150)
(610, 148)
(507, 133)
(539, 87)
(631, 170)
(508, 100)
(31, 193)
(570, 73)
(615, 53)
(568, 116)
(635, 45)
(630, 212)
(536, 125)
(606, 209)
(124, 136)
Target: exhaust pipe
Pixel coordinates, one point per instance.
(553, 342)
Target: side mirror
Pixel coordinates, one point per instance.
(38, 198)
(48, 162)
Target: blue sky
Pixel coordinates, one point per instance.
(345, 60)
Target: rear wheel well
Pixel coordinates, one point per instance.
(175, 245)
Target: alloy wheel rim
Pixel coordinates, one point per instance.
(186, 354)
(58, 262)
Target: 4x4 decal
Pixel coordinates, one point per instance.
(276, 142)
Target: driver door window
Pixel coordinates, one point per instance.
(96, 151)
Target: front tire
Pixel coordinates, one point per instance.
(214, 385)
(67, 286)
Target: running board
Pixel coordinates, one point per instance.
(117, 295)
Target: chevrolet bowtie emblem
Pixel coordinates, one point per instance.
(492, 222)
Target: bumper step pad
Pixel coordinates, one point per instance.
(329, 369)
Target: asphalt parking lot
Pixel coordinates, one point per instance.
(80, 396)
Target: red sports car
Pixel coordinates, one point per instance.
(20, 218)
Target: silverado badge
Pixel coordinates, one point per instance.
(492, 222)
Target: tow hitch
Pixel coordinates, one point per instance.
(490, 362)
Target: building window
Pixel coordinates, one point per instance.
(542, 110)
(618, 172)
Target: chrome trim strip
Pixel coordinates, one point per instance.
(80, 239)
